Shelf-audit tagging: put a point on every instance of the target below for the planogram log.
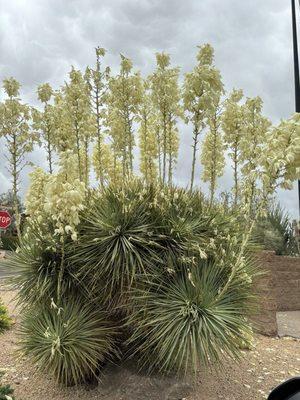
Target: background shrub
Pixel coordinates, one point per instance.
(275, 232)
(9, 242)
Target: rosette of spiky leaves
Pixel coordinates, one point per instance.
(193, 318)
(37, 265)
(275, 232)
(70, 342)
(117, 241)
(188, 226)
(6, 392)
(5, 320)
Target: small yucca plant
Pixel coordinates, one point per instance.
(6, 393)
(68, 342)
(37, 265)
(5, 320)
(193, 318)
(275, 232)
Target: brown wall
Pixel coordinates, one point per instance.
(278, 289)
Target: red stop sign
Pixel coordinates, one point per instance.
(5, 219)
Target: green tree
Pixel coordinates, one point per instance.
(19, 138)
(202, 89)
(44, 121)
(166, 97)
(232, 123)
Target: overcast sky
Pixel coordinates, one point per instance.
(41, 39)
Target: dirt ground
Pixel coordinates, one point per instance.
(272, 361)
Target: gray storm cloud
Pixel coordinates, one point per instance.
(40, 40)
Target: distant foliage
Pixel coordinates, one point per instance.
(275, 232)
(7, 202)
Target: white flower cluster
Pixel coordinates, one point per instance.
(35, 198)
(59, 197)
(282, 155)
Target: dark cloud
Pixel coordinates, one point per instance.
(39, 40)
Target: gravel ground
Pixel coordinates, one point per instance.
(272, 361)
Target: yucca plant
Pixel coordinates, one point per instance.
(275, 232)
(6, 392)
(172, 269)
(68, 342)
(5, 320)
(194, 318)
(139, 230)
(187, 224)
(36, 267)
(117, 241)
